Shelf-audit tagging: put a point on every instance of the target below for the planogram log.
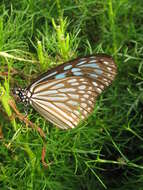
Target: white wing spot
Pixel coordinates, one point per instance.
(106, 83)
(76, 112)
(46, 92)
(42, 86)
(62, 105)
(88, 108)
(82, 87)
(109, 68)
(105, 62)
(75, 84)
(75, 122)
(73, 103)
(72, 80)
(99, 90)
(90, 88)
(56, 98)
(60, 94)
(89, 92)
(69, 123)
(109, 75)
(82, 117)
(74, 96)
(94, 83)
(73, 115)
(67, 90)
(81, 91)
(101, 86)
(85, 112)
(84, 105)
(82, 79)
(86, 96)
(92, 99)
(58, 86)
(84, 82)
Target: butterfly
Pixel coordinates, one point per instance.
(66, 95)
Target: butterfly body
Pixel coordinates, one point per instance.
(65, 95)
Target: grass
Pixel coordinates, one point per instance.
(106, 151)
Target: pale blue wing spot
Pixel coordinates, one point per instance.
(98, 71)
(76, 69)
(93, 75)
(60, 76)
(67, 67)
(78, 73)
(92, 65)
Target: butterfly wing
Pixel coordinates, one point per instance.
(99, 68)
(67, 94)
(64, 101)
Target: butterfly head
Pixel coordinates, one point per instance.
(21, 94)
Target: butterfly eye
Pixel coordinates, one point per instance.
(66, 94)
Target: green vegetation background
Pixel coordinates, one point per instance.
(106, 152)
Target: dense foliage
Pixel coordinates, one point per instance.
(106, 151)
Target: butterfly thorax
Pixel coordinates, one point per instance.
(22, 94)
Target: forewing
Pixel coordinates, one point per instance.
(99, 68)
(64, 102)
